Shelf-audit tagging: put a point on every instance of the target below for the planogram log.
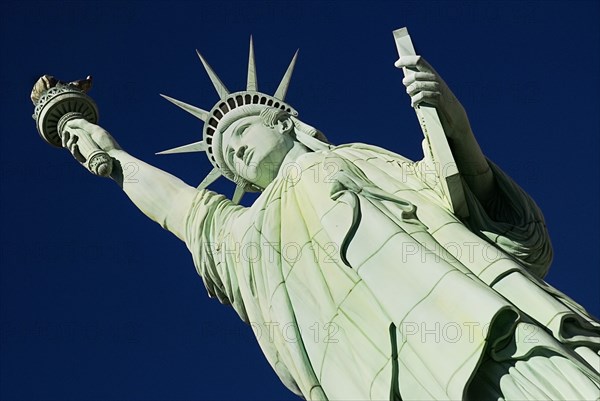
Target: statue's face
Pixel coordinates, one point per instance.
(255, 151)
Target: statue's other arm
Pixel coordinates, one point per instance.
(426, 86)
(498, 208)
(161, 196)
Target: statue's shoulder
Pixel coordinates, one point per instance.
(363, 150)
(344, 154)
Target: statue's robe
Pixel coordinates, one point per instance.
(360, 283)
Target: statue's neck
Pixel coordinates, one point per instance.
(297, 150)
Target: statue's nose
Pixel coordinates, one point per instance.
(241, 151)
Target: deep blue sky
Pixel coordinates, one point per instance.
(98, 302)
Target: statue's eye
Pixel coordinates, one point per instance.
(241, 129)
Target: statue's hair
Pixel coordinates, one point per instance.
(271, 115)
(234, 115)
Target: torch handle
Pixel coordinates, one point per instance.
(97, 161)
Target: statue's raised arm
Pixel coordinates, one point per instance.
(65, 117)
(161, 196)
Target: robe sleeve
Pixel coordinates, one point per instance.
(513, 222)
(210, 230)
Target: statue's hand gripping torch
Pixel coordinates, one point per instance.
(56, 103)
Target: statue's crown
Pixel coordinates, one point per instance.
(228, 106)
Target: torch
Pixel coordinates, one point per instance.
(56, 103)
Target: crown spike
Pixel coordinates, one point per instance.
(219, 86)
(285, 81)
(237, 195)
(195, 111)
(252, 82)
(214, 174)
(189, 148)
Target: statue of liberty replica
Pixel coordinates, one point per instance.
(426, 275)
